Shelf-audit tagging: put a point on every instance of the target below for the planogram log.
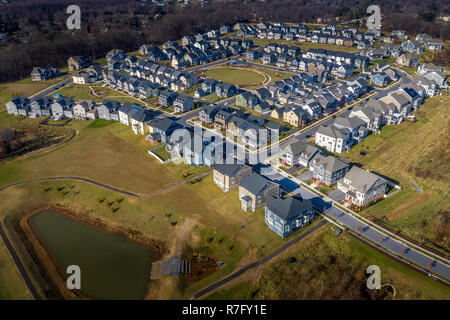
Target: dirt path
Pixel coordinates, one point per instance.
(182, 234)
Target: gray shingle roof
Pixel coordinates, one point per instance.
(362, 180)
(332, 131)
(229, 169)
(255, 183)
(330, 163)
(289, 207)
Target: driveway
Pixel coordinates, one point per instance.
(337, 195)
(305, 176)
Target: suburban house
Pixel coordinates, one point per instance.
(379, 78)
(182, 103)
(228, 176)
(161, 128)
(167, 98)
(78, 62)
(246, 100)
(40, 107)
(109, 110)
(328, 169)
(221, 119)
(286, 215)
(140, 120)
(126, 111)
(295, 117)
(356, 126)
(429, 67)
(333, 139)
(298, 152)
(84, 109)
(361, 186)
(82, 77)
(433, 44)
(209, 85)
(207, 114)
(43, 73)
(17, 103)
(225, 90)
(407, 60)
(254, 190)
(412, 46)
(62, 107)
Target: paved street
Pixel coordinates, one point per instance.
(354, 224)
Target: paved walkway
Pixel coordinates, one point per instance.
(19, 265)
(128, 193)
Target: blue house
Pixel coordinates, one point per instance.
(379, 79)
(286, 215)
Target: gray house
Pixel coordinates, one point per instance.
(328, 169)
(285, 216)
(298, 153)
(208, 113)
(254, 190)
(182, 103)
(17, 103)
(62, 107)
(41, 107)
(109, 110)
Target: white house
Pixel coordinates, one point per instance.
(333, 139)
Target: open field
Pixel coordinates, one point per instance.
(110, 154)
(237, 76)
(24, 87)
(413, 153)
(327, 266)
(84, 92)
(274, 75)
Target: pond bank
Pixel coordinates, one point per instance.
(48, 267)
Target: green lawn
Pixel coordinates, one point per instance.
(24, 87)
(235, 76)
(83, 92)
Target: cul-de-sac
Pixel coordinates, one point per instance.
(224, 150)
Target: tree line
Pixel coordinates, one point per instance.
(126, 24)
